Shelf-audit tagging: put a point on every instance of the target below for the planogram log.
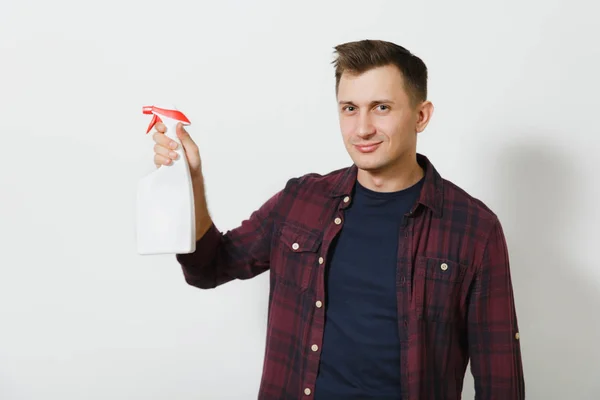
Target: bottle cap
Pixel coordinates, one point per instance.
(167, 112)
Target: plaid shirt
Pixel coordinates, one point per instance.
(454, 291)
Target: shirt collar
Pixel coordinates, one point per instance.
(431, 196)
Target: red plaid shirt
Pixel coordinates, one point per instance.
(454, 291)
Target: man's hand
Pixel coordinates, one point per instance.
(164, 153)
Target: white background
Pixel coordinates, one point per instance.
(82, 316)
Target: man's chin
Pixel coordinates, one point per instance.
(367, 162)
(368, 165)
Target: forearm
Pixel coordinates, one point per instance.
(240, 253)
(203, 219)
(201, 268)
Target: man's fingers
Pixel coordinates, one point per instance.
(163, 140)
(161, 160)
(160, 127)
(163, 151)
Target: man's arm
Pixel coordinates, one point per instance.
(241, 253)
(493, 333)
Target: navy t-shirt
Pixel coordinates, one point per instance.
(360, 356)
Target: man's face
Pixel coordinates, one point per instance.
(378, 123)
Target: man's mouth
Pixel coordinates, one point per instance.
(367, 147)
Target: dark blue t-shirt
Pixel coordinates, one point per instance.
(361, 350)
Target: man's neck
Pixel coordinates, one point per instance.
(394, 178)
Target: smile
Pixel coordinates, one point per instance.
(367, 148)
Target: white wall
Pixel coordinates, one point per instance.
(515, 85)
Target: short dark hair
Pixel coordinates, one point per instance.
(361, 56)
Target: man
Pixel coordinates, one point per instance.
(385, 278)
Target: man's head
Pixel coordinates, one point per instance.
(382, 101)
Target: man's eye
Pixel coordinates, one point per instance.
(349, 108)
(383, 107)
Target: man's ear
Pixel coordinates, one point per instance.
(425, 111)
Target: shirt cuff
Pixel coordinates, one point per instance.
(205, 251)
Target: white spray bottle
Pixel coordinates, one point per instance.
(166, 222)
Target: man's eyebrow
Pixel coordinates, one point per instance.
(374, 102)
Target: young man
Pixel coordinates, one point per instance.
(385, 278)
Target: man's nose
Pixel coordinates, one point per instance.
(365, 126)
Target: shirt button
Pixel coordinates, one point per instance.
(444, 266)
(337, 221)
(321, 260)
(307, 391)
(295, 246)
(314, 347)
(517, 336)
(346, 199)
(319, 304)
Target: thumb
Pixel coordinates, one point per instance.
(184, 136)
(189, 147)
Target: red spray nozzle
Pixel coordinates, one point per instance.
(157, 112)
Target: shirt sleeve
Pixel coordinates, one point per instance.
(240, 253)
(493, 334)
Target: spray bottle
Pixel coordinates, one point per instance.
(166, 222)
